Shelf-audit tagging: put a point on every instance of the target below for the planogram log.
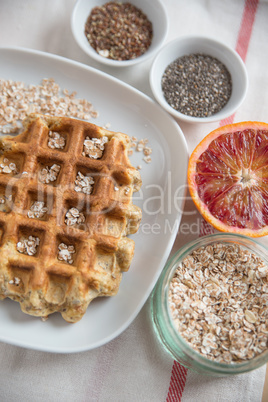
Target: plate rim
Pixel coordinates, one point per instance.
(131, 317)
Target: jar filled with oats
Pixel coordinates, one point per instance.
(210, 305)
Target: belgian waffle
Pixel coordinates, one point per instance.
(65, 210)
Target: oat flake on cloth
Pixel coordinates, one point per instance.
(134, 367)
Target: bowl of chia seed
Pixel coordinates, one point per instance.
(198, 79)
(119, 33)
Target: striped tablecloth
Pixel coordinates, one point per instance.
(134, 367)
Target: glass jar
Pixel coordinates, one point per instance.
(163, 323)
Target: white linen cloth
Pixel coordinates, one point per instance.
(134, 367)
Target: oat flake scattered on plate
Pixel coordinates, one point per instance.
(17, 100)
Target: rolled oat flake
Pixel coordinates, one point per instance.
(197, 85)
(218, 302)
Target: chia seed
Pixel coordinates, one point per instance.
(119, 31)
(197, 85)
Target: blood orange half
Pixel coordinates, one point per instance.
(228, 178)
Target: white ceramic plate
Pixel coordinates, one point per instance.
(161, 199)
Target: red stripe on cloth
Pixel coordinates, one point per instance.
(246, 27)
(228, 120)
(177, 383)
(205, 228)
(243, 39)
(179, 373)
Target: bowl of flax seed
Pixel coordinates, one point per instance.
(198, 79)
(122, 33)
(210, 305)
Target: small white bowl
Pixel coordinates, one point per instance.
(156, 13)
(191, 45)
